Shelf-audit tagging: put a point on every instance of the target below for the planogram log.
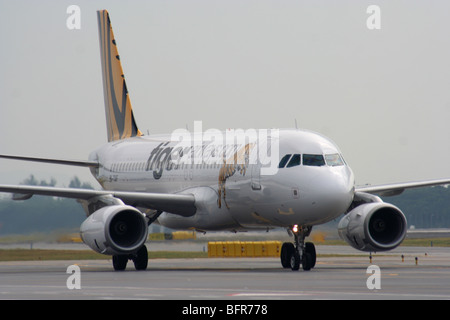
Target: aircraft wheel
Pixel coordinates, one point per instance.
(307, 261)
(295, 261)
(287, 249)
(141, 258)
(311, 249)
(120, 262)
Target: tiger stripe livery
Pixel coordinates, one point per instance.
(119, 114)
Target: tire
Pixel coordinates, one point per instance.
(141, 259)
(120, 262)
(307, 261)
(287, 249)
(311, 249)
(295, 261)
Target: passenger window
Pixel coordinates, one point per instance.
(314, 160)
(284, 160)
(295, 161)
(334, 160)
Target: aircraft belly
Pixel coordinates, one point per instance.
(199, 221)
(277, 207)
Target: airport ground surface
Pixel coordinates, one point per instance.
(339, 277)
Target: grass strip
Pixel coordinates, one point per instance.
(44, 254)
(49, 254)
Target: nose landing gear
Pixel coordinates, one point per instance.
(292, 255)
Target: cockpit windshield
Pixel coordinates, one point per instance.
(295, 161)
(311, 160)
(334, 160)
(284, 160)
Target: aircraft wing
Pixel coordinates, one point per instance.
(397, 188)
(78, 163)
(181, 204)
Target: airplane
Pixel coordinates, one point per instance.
(184, 183)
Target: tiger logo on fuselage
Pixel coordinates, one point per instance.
(238, 162)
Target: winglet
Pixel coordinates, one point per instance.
(119, 114)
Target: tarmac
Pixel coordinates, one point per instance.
(347, 276)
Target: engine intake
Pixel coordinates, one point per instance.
(373, 227)
(117, 229)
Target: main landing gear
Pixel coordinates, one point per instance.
(140, 260)
(292, 255)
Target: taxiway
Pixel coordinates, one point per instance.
(340, 277)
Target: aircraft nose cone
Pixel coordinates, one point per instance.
(334, 189)
(333, 182)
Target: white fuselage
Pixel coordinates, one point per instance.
(304, 192)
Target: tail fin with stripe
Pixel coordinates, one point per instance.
(119, 114)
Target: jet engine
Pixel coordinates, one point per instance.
(377, 226)
(115, 230)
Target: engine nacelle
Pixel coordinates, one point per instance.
(116, 229)
(373, 227)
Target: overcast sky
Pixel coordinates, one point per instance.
(382, 95)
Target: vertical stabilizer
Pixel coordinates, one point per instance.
(119, 114)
